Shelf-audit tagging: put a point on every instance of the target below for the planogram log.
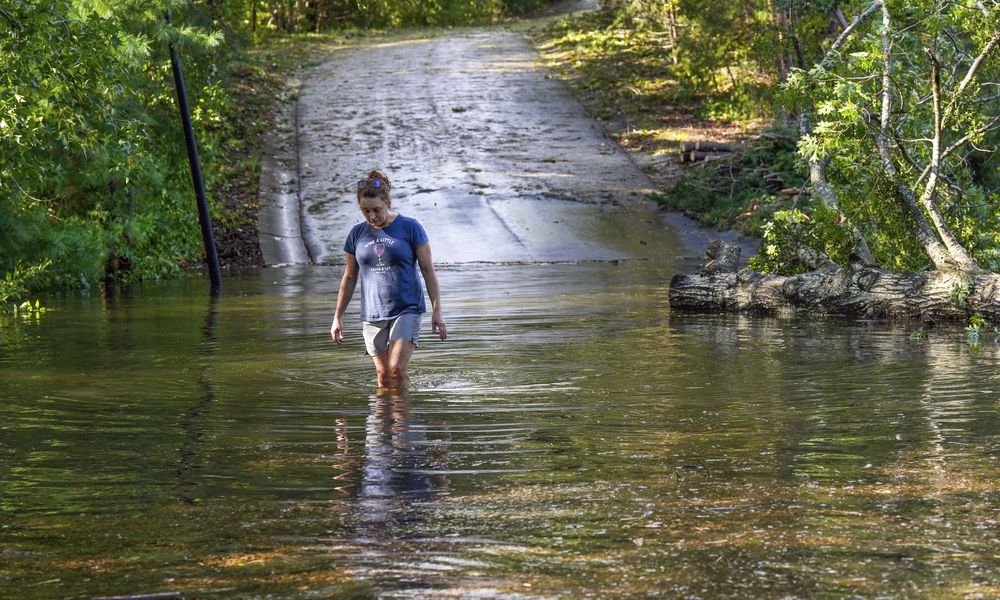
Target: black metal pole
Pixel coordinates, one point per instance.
(211, 256)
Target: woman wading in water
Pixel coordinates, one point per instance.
(384, 253)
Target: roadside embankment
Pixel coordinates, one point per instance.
(261, 167)
(726, 174)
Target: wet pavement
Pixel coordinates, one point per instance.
(496, 159)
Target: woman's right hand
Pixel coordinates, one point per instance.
(337, 332)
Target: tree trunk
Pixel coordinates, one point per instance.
(939, 253)
(709, 146)
(858, 290)
(782, 60)
(672, 33)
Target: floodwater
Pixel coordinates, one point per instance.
(573, 438)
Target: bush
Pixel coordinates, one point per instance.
(788, 231)
(742, 189)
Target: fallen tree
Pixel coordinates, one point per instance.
(896, 125)
(859, 289)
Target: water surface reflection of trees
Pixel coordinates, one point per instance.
(847, 393)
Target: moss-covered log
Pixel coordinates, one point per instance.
(857, 290)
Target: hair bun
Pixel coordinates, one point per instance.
(376, 175)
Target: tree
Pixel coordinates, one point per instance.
(899, 121)
(88, 177)
(900, 108)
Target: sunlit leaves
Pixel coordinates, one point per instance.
(89, 127)
(844, 94)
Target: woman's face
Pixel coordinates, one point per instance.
(375, 210)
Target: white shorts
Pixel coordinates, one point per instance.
(378, 333)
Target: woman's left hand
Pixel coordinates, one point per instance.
(438, 326)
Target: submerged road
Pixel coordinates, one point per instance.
(498, 161)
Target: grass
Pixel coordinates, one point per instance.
(626, 79)
(743, 189)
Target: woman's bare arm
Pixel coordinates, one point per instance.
(347, 284)
(433, 289)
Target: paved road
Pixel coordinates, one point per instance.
(499, 162)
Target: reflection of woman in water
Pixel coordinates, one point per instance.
(398, 468)
(396, 451)
(384, 252)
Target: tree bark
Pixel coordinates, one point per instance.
(858, 290)
(709, 146)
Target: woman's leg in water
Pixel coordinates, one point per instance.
(400, 352)
(382, 369)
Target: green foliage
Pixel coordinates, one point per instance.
(28, 310)
(781, 237)
(977, 322)
(71, 246)
(94, 177)
(16, 284)
(844, 94)
(523, 7)
(742, 189)
(790, 231)
(960, 292)
(384, 14)
(621, 71)
(325, 15)
(640, 56)
(726, 61)
(974, 330)
(94, 170)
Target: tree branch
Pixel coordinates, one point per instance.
(990, 125)
(935, 164)
(901, 146)
(837, 43)
(840, 18)
(817, 166)
(970, 75)
(955, 248)
(925, 235)
(886, 109)
(805, 117)
(824, 191)
(13, 20)
(987, 99)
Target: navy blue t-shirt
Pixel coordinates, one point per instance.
(390, 285)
